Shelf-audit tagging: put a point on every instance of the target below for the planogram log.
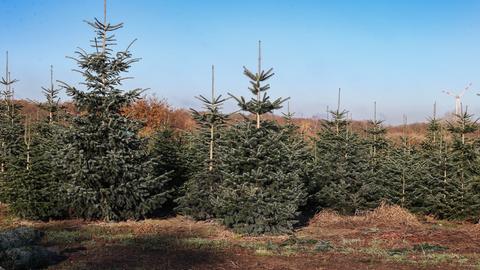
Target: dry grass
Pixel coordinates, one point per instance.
(178, 226)
(6, 219)
(392, 216)
(330, 218)
(383, 216)
(3, 210)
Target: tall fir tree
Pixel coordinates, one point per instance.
(342, 164)
(373, 189)
(12, 155)
(38, 186)
(110, 175)
(404, 174)
(261, 189)
(435, 150)
(204, 176)
(302, 155)
(465, 167)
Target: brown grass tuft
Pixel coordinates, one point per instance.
(3, 209)
(329, 218)
(383, 216)
(392, 216)
(179, 226)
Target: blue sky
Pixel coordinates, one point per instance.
(401, 54)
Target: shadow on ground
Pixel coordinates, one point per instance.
(155, 251)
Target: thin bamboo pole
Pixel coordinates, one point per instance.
(258, 78)
(338, 111)
(374, 128)
(50, 110)
(210, 166)
(27, 138)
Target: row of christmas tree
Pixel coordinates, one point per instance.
(254, 175)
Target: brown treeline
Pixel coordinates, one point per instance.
(157, 113)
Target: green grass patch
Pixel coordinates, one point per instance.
(205, 243)
(350, 242)
(66, 237)
(443, 258)
(426, 247)
(264, 252)
(291, 246)
(398, 251)
(424, 254)
(151, 242)
(322, 246)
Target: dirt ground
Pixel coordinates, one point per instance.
(387, 238)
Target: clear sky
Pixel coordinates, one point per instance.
(400, 53)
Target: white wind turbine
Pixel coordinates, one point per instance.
(458, 98)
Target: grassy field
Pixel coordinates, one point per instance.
(387, 238)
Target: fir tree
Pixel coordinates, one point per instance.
(52, 103)
(110, 175)
(259, 104)
(465, 167)
(290, 126)
(37, 187)
(303, 157)
(166, 152)
(404, 174)
(376, 139)
(435, 150)
(342, 164)
(261, 190)
(12, 154)
(373, 189)
(204, 176)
